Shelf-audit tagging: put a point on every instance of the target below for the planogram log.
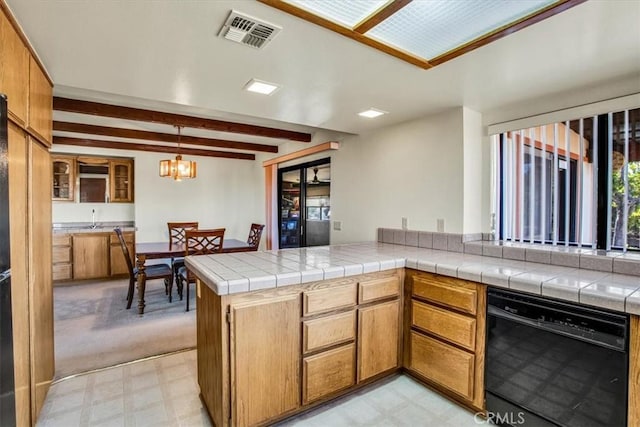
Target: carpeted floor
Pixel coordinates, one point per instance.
(93, 329)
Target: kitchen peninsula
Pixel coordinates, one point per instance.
(312, 324)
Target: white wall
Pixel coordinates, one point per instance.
(474, 171)
(411, 170)
(227, 193)
(81, 212)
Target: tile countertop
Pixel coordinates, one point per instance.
(85, 227)
(250, 271)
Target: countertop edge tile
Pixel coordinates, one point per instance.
(264, 270)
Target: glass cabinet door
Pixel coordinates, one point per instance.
(63, 178)
(121, 184)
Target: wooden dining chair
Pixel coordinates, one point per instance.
(255, 234)
(198, 242)
(177, 237)
(155, 271)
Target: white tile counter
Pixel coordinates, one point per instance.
(249, 271)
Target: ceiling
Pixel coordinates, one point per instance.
(169, 57)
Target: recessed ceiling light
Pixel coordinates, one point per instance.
(259, 86)
(372, 113)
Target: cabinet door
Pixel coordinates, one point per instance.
(118, 262)
(90, 256)
(121, 184)
(378, 331)
(265, 368)
(40, 274)
(18, 159)
(63, 178)
(14, 70)
(40, 103)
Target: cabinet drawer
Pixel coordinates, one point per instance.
(61, 254)
(62, 272)
(328, 372)
(454, 327)
(128, 237)
(376, 289)
(443, 364)
(454, 293)
(327, 331)
(327, 299)
(61, 240)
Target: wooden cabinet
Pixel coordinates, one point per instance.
(62, 257)
(324, 332)
(14, 71)
(90, 256)
(118, 263)
(29, 94)
(108, 180)
(447, 335)
(121, 181)
(378, 339)
(40, 104)
(266, 356)
(64, 178)
(328, 372)
(444, 364)
(18, 154)
(40, 278)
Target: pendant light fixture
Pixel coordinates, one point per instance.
(178, 168)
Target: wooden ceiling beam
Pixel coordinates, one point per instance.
(380, 15)
(117, 145)
(158, 136)
(141, 115)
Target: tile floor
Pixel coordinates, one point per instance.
(164, 392)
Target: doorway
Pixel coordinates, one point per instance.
(304, 204)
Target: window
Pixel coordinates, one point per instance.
(571, 183)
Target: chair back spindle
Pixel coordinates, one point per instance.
(177, 231)
(255, 234)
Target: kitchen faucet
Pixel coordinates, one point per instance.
(93, 219)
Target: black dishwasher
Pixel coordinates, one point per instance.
(551, 363)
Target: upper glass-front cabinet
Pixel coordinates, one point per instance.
(121, 185)
(64, 178)
(89, 179)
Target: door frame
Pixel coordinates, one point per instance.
(303, 167)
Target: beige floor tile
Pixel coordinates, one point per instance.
(163, 392)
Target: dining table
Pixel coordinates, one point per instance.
(159, 250)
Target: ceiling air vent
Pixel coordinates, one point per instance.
(248, 30)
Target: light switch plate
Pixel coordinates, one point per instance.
(440, 225)
(337, 225)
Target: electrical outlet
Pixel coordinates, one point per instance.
(404, 223)
(337, 225)
(440, 225)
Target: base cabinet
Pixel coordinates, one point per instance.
(265, 356)
(93, 255)
(446, 335)
(269, 354)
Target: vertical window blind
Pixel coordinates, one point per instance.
(570, 183)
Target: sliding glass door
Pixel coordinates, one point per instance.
(304, 204)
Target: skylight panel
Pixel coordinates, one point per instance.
(347, 13)
(431, 28)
